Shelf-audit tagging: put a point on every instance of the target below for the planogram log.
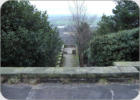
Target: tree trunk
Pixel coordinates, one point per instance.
(81, 60)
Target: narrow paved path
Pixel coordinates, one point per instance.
(73, 91)
(69, 59)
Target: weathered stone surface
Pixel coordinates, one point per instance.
(135, 64)
(128, 64)
(68, 70)
(15, 92)
(128, 69)
(76, 91)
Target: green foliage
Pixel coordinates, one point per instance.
(109, 42)
(126, 16)
(121, 46)
(27, 37)
(103, 81)
(106, 25)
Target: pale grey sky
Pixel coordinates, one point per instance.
(62, 7)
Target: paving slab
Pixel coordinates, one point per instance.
(15, 92)
(124, 91)
(73, 91)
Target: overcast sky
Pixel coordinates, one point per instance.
(62, 7)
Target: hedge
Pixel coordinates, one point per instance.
(27, 37)
(121, 46)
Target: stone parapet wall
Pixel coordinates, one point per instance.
(135, 64)
(72, 74)
(69, 70)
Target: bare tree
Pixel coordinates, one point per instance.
(82, 29)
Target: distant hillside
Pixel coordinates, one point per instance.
(60, 20)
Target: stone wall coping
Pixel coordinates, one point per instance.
(69, 70)
(127, 63)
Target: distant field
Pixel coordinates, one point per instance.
(60, 20)
(67, 20)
